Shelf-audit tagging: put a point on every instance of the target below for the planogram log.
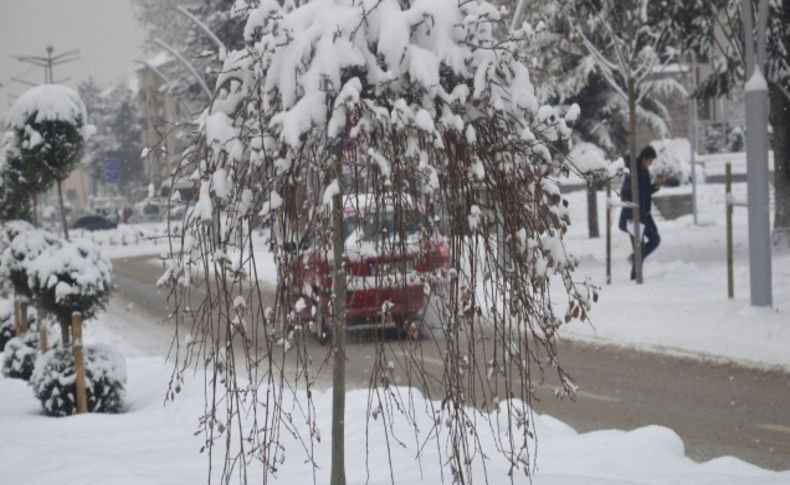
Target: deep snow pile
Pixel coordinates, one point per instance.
(153, 444)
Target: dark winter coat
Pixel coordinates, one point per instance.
(646, 191)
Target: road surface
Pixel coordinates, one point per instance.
(717, 409)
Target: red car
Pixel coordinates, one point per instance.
(388, 254)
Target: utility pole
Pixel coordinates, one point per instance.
(756, 89)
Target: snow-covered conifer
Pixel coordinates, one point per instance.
(70, 277)
(105, 380)
(19, 356)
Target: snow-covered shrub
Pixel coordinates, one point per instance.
(19, 356)
(8, 321)
(25, 247)
(71, 277)
(673, 161)
(8, 232)
(105, 380)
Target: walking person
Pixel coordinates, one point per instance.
(650, 236)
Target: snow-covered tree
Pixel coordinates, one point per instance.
(48, 126)
(715, 30)
(408, 103)
(629, 43)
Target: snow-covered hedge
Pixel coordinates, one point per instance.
(105, 380)
(25, 247)
(673, 161)
(71, 277)
(19, 356)
(8, 232)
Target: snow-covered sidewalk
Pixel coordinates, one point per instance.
(153, 443)
(683, 308)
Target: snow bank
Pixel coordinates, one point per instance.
(152, 444)
(127, 240)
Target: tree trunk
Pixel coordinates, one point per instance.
(338, 473)
(592, 209)
(780, 122)
(62, 212)
(634, 179)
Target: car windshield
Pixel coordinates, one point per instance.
(387, 224)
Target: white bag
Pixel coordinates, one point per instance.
(629, 226)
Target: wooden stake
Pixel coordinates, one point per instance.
(18, 317)
(79, 363)
(64, 334)
(728, 197)
(23, 314)
(41, 314)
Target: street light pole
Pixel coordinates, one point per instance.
(693, 137)
(756, 90)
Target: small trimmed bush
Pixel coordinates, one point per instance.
(105, 381)
(70, 277)
(19, 356)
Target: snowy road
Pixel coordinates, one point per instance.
(717, 409)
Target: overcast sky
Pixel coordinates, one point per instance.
(105, 32)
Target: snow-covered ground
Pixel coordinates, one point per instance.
(682, 306)
(153, 443)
